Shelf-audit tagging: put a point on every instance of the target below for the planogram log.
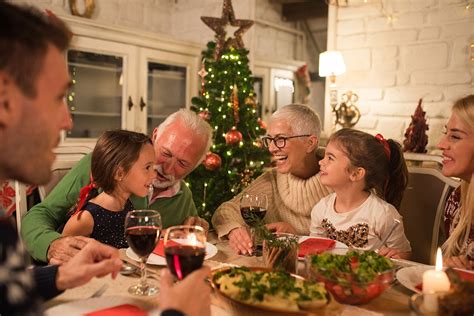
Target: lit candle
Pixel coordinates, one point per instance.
(434, 282)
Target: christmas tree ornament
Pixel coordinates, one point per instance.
(233, 137)
(218, 25)
(203, 73)
(246, 177)
(212, 161)
(235, 104)
(205, 115)
(261, 123)
(251, 101)
(415, 135)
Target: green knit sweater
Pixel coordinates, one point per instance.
(40, 224)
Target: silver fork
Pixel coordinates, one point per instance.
(100, 291)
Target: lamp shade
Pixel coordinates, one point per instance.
(331, 63)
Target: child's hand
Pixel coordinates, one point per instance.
(394, 253)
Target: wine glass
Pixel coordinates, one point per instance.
(142, 231)
(185, 248)
(253, 208)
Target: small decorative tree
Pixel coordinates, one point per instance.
(415, 135)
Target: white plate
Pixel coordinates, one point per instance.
(410, 277)
(339, 248)
(77, 308)
(211, 251)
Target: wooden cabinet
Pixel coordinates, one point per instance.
(126, 79)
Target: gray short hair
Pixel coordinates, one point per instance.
(194, 123)
(302, 118)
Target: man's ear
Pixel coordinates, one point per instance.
(357, 174)
(153, 135)
(313, 142)
(6, 94)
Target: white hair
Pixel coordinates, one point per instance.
(301, 118)
(193, 122)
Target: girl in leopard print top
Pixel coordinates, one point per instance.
(366, 173)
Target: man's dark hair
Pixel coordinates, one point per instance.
(25, 34)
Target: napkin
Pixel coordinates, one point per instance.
(160, 248)
(120, 310)
(315, 246)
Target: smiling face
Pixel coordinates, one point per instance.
(458, 149)
(35, 124)
(335, 167)
(290, 158)
(141, 175)
(178, 150)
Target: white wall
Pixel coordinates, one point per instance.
(181, 20)
(423, 53)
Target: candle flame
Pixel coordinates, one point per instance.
(439, 260)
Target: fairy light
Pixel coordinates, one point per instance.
(222, 92)
(224, 116)
(222, 99)
(239, 62)
(251, 163)
(229, 172)
(241, 143)
(205, 184)
(229, 153)
(225, 72)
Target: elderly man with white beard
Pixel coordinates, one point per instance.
(180, 142)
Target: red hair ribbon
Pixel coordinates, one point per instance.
(83, 194)
(386, 146)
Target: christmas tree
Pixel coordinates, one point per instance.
(415, 135)
(227, 101)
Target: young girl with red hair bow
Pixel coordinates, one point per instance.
(122, 164)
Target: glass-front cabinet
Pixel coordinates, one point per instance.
(168, 85)
(121, 79)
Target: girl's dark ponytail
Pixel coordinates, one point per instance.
(397, 178)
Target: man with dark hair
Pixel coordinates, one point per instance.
(33, 84)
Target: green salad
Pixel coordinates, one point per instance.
(355, 266)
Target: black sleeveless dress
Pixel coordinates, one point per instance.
(109, 227)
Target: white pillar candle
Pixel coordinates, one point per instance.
(434, 282)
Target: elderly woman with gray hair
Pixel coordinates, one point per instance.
(293, 186)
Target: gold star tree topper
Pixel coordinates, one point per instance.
(218, 25)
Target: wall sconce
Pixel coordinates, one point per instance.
(331, 64)
(347, 113)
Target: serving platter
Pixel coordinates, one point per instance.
(247, 309)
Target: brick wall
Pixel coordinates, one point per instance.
(423, 53)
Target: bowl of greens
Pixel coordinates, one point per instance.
(354, 278)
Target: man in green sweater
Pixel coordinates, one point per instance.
(180, 142)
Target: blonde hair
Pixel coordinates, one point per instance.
(464, 109)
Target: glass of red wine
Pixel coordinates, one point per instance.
(142, 231)
(185, 249)
(253, 208)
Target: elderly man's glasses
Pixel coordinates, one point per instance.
(279, 141)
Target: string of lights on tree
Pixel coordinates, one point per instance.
(228, 102)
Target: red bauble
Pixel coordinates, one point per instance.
(233, 137)
(261, 123)
(205, 115)
(212, 161)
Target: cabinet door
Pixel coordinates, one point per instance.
(168, 81)
(103, 86)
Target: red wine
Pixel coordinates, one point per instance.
(142, 239)
(184, 259)
(252, 214)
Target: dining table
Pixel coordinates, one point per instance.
(393, 301)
